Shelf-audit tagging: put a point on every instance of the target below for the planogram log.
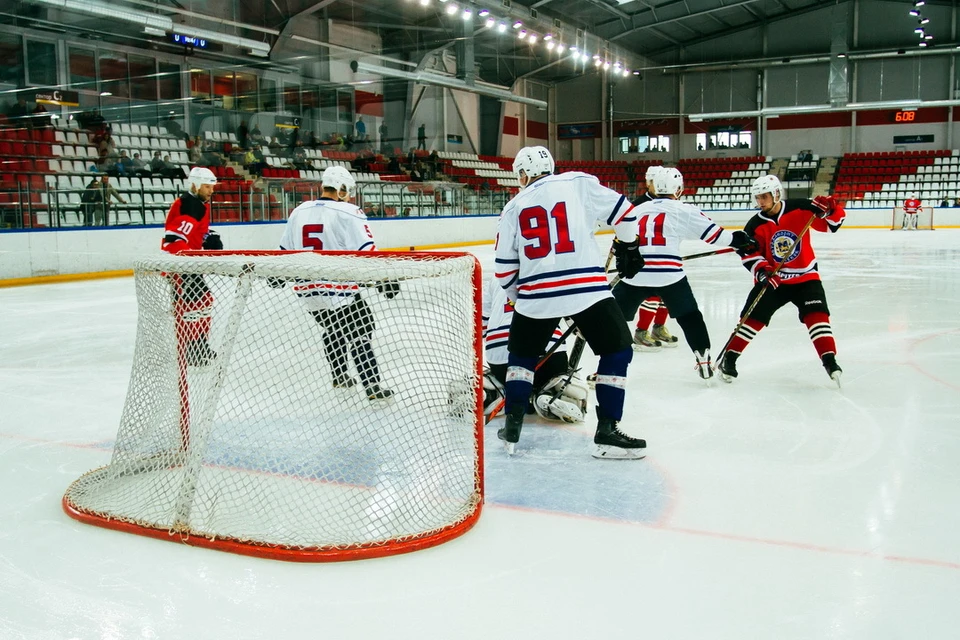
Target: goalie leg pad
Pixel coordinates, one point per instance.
(550, 408)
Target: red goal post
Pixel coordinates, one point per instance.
(924, 218)
(251, 448)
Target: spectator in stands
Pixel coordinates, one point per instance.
(375, 211)
(124, 164)
(173, 128)
(309, 140)
(255, 136)
(90, 201)
(406, 212)
(195, 153)
(383, 136)
(156, 163)
(300, 160)
(40, 117)
(18, 114)
(394, 165)
(242, 134)
(211, 156)
(108, 151)
(361, 129)
(102, 212)
(139, 167)
(416, 174)
(945, 202)
(699, 147)
(956, 202)
(171, 170)
(412, 158)
(422, 137)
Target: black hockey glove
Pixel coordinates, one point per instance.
(629, 260)
(276, 283)
(389, 288)
(765, 276)
(743, 243)
(212, 241)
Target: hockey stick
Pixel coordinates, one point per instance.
(497, 408)
(764, 288)
(705, 254)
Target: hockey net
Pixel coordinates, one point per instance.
(233, 435)
(900, 220)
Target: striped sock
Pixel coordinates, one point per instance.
(648, 309)
(662, 314)
(747, 332)
(818, 324)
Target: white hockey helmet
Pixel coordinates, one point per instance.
(912, 196)
(668, 182)
(533, 161)
(200, 176)
(339, 179)
(652, 172)
(767, 184)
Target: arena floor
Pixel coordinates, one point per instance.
(775, 507)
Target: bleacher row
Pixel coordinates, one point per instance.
(866, 180)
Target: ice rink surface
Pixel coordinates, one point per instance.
(775, 507)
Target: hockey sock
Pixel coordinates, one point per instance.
(747, 332)
(194, 317)
(648, 309)
(611, 383)
(694, 331)
(335, 347)
(366, 363)
(519, 383)
(662, 314)
(818, 324)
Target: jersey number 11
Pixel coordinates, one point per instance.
(652, 234)
(535, 225)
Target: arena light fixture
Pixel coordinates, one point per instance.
(625, 73)
(914, 13)
(606, 65)
(550, 45)
(501, 27)
(924, 20)
(424, 3)
(928, 37)
(522, 35)
(490, 22)
(597, 62)
(483, 13)
(923, 44)
(918, 30)
(919, 3)
(517, 24)
(560, 47)
(467, 14)
(532, 39)
(451, 9)
(548, 37)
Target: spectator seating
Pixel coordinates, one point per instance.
(722, 183)
(885, 179)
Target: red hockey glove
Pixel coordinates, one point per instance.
(765, 276)
(826, 205)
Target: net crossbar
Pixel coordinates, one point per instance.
(301, 406)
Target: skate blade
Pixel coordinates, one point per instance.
(640, 348)
(509, 447)
(670, 345)
(608, 452)
(724, 377)
(835, 376)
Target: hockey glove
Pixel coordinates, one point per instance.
(765, 276)
(212, 241)
(825, 205)
(743, 243)
(276, 283)
(629, 259)
(389, 288)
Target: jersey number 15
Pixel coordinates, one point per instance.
(535, 225)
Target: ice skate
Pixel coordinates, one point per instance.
(661, 334)
(613, 444)
(704, 366)
(344, 382)
(727, 367)
(592, 381)
(832, 368)
(199, 353)
(509, 433)
(376, 392)
(643, 341)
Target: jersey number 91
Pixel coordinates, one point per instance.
(535, 226)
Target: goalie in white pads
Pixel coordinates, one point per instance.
(558, 394)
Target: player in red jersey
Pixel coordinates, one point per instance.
(775, 230)
(911, 212)
(188, 228)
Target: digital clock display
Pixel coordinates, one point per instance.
(188, 41)
(904, 116)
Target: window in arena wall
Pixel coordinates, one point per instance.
(328, 105)
(223, 90)
(345, 106)
(246, 91)
(83, 69)
(41, 63)
(310, 102)
(268, 94)
(113, 74)
(291, 98)
(171, 89)
(724, 140)
(200, 85)
(143, 78)
(11, 71)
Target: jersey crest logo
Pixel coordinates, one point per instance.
(781, 242)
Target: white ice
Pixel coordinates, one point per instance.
(775, 507)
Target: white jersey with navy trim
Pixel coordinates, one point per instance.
(663, 224)
(547, 258)
(327, 225)
(497, 315)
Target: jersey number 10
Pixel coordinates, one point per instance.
(535, 225)
(652, 234)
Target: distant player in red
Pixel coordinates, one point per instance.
(775, 230)
(911, 212)
(188, 228)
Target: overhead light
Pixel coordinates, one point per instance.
(483, 13)
(260, 53)
(548, 37)
(153, 31)
(841, 55)
(550, 45)
(925, 21)
(606, 65)
(597, 62)
(616, 65)
(636, 73)
(928, 37)
(106, 93)
(522, 34)
(517, 24)
(490, 22)
(451, 9)
(560, 47)
(424, 3)
(532, 39)
(914, 12)
(584, 56)
(918, 30)
(501, 27)
(923, 44)
(919, 3)
(573, 48)
(467, 14)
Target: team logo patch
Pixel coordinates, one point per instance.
(781, 242)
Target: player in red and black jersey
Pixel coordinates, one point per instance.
(775, 231)
(188, 228)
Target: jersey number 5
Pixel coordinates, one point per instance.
(651, 231)
(310, 237)
(535, 225)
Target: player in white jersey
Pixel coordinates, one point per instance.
(558, 394)
(663, 223)
(333, 224)
(550, 266)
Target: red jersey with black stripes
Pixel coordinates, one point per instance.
(776, 235)
(188, 222)
(547, 258)
(663, 223)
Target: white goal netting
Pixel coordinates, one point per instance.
(299, 405)
(923, 220)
